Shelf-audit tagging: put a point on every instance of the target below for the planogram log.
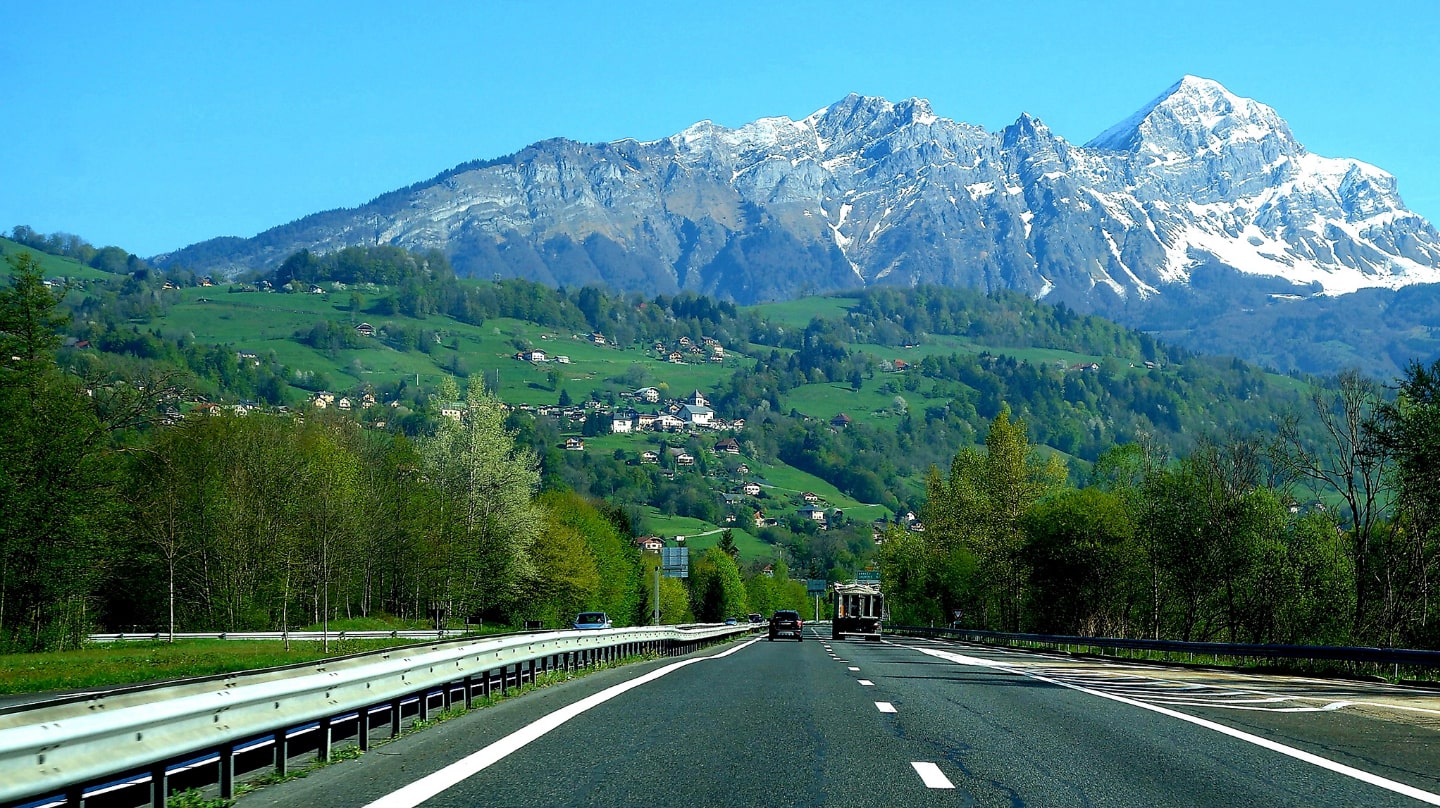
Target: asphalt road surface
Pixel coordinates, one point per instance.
(906, 722)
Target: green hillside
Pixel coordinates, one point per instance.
(919, 374)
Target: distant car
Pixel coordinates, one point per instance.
(786, 622)
(757, 618)
(592, 620)
(730, 621)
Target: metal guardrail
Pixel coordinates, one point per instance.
(1330, 653)
(63, 751)
(298, 636)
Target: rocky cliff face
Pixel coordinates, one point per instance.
(867, 191)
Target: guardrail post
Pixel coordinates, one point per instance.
(282, 752)
(323, 753)
(395, 717)
(424, 706)
(75, 796)
(362, 728)
(227, 772)
(159, 784)
(469, 692)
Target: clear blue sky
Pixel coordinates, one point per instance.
(154, 125)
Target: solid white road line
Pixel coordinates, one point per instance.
(931, 775)
(867, 683)
(853, 668)
(884, 706)
(430, 785)
(1298, 754)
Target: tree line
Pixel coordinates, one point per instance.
(1284, 537)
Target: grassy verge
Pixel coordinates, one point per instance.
(133, 663)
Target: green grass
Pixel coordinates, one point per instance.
(800, 312)
(130, 663)
(54, 266)
(701, 535)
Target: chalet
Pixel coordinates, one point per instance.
(685, 459)
(697, 415)
(207, 281)
(454, 410)
(675, 357)
(900, 364)
(685, 341)
(323, 399)
(737, 424)
(650, 544)
(759, 519)
(531, 356)
(206, 408)
(367, 399)
(841, 419)
(315, 290)
(728, 446)
(810, 497)
(649, 395)
(1086, 367)
(742, 469)
(649, 457)
(732, 499)
(365, 330)
(768, 570)
(344, 403)
(811, 512)
(717, 358)
(574, 445)
(751, 489)
(598, 338)
(668, 422)
(564, 360)
(622, 424)
(645, 420)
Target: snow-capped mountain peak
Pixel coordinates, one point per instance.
(1193, 116)
(866, 191)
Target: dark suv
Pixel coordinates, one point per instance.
(786, 623)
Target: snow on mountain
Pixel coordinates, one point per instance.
(868, 191)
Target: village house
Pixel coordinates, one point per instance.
(645, 420)
(454, 410)
(344, 403)
(623, 424)
(811, 512)
(365, 330)
(649, 457)
(649, 395)
(810, 497)
(650, 544)
(676, 358)
(841, 419)
(574, 445)
(727, 446)
(323, 399)
(698, 415)
(751, 489)
(531, 356)
(743, 468)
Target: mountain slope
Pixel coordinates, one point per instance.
(866, 191)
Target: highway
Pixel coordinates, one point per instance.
(906, 722)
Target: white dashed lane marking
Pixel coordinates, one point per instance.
(884, 706)
(931, 775)
(853, 668)
(867, 683)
